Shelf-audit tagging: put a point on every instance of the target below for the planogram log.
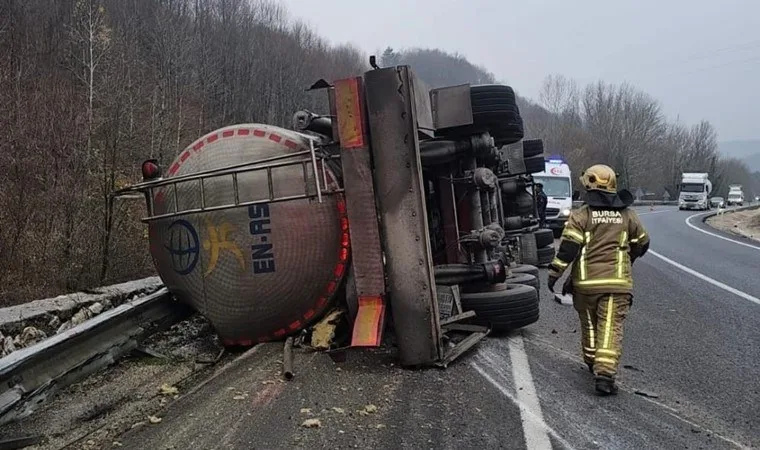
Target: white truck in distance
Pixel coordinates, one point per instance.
(735, 195)
(558, 188)
(695, 189)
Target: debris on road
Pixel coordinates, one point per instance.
(311, 423)
(154, 419)
(369, 409)
(323, 333)
(630, 367)
(287, 362)
(646, 394)
(168, 390)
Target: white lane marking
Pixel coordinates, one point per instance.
(712, 281)
(534, 426)
(688, 222)
(523, 410)
(535, 430)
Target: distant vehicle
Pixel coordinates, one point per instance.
(695, 188)
(717, 202)
(757, 198)
(735, 195)
(558, 188)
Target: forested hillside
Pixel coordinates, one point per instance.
(90, 88)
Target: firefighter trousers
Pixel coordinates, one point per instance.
(602, 317)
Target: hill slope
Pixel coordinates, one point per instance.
(746, 150)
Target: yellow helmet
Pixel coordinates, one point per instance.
(599, 177)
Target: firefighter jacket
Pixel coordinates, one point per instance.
(601, 242)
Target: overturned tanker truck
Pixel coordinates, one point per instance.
(395, 205)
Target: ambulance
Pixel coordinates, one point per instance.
(558, 187)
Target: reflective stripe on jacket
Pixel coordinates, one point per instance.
(600, 243)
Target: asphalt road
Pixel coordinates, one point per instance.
(692, 345)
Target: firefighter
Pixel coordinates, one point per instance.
(601, 239)
(541, 201)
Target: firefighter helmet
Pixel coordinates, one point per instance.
(599, 177)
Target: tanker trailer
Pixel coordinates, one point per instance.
(250, 229)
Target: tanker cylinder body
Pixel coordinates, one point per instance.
(254, 251)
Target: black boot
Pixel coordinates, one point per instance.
(590, 367)
(605, 385)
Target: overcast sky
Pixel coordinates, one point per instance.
(700, 58)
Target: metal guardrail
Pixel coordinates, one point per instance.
(30, 376)
(655, 202)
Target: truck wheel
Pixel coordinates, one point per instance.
(505, 310)
(525, 279)
(545, 255)
(544, 237)
(557, 233)
(495, 107)
(495, 110)
(523, 203)
(525, 268)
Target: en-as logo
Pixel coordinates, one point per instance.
(555, 171)
(219, 241)
(182, 245)
(262, 252)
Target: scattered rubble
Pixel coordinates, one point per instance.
(8, 346)
(369, 409)
(168, 390)
(24, 325)
(29, 336)
(311, 423)
(154, 420)
(49, 314)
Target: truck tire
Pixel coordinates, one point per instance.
(523, 203)
(532, 147)
(535, 164)
(544, 237)
(545, 255)
(495, 107)
(511, 186)
(524, 279)
(525, 268)
(505, 310)
(495, 110)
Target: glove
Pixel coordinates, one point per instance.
(567, 287)
(552, 282)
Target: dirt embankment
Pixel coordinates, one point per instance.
(743, 223)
